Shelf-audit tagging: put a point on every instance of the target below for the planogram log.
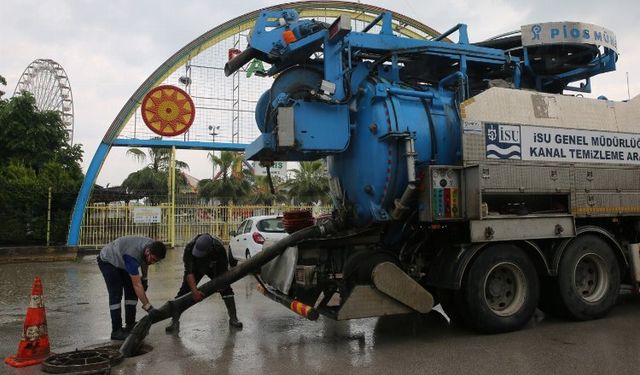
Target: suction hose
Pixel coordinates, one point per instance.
(176, 307)
(239, 61)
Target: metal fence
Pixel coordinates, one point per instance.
(104, 223)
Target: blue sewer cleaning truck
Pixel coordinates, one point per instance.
(461, 173)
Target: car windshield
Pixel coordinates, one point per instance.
(271, 225)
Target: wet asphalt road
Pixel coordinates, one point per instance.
(275, 341)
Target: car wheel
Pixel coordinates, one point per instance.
(232, 261)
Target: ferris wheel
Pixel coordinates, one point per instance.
(47, 81)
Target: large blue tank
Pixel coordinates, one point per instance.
(372, 172)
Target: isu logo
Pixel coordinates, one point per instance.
(503, 141)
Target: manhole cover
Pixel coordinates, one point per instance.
(90, 361)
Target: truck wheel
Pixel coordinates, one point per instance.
(501, 290)
(588, 278)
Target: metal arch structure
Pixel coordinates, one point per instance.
(49, 84)
(124, 131)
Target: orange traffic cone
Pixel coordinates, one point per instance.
(34, 344)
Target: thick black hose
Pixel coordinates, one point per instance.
(176, 307)
(239, 61)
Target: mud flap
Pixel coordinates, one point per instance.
(392, 281)
(365, 301)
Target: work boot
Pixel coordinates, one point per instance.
(174, 327)
(129, 327)
(119, 334)
(231, 308)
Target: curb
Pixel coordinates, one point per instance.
(42, 254)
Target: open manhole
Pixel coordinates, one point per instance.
(143, 349)
(88, 361)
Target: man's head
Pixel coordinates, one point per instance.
(155, 252)
(203, 246)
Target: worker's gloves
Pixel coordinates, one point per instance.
(198, 295)
(145, 283)
(154, 314)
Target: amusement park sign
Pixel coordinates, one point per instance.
(279, 169)
(147, 215)
(567, 33)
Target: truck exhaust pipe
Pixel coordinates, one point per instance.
(294, 305)
(176, 307)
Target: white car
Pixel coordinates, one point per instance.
(252, 233)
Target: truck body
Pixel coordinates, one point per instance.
(460, 173)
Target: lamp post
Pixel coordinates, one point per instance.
(213, 133)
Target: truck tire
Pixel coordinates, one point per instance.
(501, 290)
(588, 278)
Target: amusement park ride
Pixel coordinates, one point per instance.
(47, 81)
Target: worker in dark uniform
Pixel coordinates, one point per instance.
(205, 255)
(119, 262)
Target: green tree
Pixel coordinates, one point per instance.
(309, 184)
(233, 181)
(159, 158)
(34, 137)
(261, 191)
(35, 156)
(3, 82)
(152, 181)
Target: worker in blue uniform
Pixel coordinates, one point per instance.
(120, 261)
(205, 255)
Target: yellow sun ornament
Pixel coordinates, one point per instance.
(168, 110)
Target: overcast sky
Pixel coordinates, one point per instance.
(108, 48)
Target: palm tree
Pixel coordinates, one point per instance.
(232, 183)
(261, 191)
(160, 158)
(310, 183)
(147, 183)
(152, 180)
